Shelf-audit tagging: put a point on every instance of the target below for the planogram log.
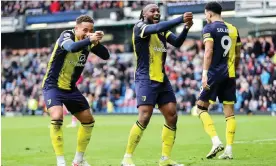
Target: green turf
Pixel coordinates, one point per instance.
(26, 142)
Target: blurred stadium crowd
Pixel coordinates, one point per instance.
(109, 85)
(14, 8)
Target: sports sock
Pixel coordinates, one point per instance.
(230, 129)
(84, 135)
(208, 124)
(168, 137)
(56, 135)
(135, 135)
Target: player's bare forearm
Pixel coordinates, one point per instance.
(162, 26)
(238, 55)
(177, 41)
(208, 54)
(207, 59)
(101, 51)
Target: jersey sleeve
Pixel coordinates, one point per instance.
(139, 29)
(65, 37)
(167, 34)
(207, 34)
(238, 39)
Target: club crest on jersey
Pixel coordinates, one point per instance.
(67, 35)
(49, 101)
(144, 98)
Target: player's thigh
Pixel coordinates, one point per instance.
(79, 107)
(56, 112)
(53, 100)
(227, 91)
(169, 112)
(207, 96)
(84, 116)
(165, 94)
(146, 93)
(167, 103)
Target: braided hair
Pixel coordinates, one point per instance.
(141, 16)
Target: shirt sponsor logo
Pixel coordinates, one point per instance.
(160, 49)
(82, 58)
(79, 63)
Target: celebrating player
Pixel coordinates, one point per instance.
(151, 83)
(59, 85)
(221, 58)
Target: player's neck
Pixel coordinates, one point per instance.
(217, 18)
(147, 21)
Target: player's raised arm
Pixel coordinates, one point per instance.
(101, 51)
(161, 27)
(177, 41)
(151, 24)
(77, 39)
(71, 46)
(238, 51)
(97, 48)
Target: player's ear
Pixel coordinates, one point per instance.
(210, 14)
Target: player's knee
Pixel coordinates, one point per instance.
(228, 114)
(144, 118)
(201, 109)
(172, 121)
(198, 111)
(172, 116)
(228, 110)
(56, 113)
(87, 119)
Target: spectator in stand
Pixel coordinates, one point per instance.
(14, 8)
(55, 7)
(23, 70)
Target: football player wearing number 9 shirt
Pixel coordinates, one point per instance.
(221, 58)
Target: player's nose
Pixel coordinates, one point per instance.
(156, 12)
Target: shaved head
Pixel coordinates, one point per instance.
(148, 7)
(150, 14)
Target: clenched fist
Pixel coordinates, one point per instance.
(188, 16)
(189, 24)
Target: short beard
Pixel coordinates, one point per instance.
(148, 21)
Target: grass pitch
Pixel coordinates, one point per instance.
(26, 141)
